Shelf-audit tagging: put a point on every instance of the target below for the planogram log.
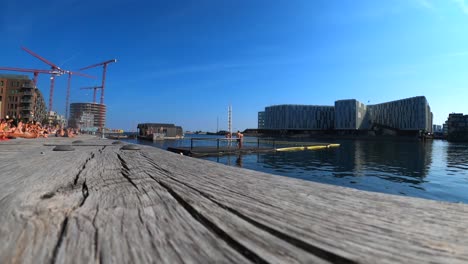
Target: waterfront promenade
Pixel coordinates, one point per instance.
(103, 204)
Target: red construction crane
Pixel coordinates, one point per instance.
(54, 67)
(52, 78)
(35, 71)
(94, 93)
(104, 64)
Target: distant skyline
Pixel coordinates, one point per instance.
(185, 62)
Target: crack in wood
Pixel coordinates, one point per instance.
(125, 171)
(154, 164)
(83, 168)
(57, 246)
(96, 238)
(85, 192)
(47, 195)
(317, 251)
(199, 217)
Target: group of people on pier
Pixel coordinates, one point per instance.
(10, 128)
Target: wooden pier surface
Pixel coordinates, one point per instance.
(102, 204)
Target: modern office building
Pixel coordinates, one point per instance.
(87, 116)
(410, 114)
(351, 114)
(406, 114)
(19, 98)
(299, 117)
(261, 119)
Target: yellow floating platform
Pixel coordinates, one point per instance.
(291, 149)
(316, 147)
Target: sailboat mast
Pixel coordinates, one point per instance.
(230, 119)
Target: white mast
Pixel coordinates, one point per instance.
(230, 119)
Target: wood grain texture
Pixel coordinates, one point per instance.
(101, 204)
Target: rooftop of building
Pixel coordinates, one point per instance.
(14, 76)
(155, 125)
(302, 105)
(404, 99)
(342, 100)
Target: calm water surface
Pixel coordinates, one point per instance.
(434, 170)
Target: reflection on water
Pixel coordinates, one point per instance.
(433, 169)
(457, 159)
(390, 167)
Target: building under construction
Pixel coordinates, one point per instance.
(20, 99)
(87, 116)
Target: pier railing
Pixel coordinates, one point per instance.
(247, 142)
(232, 142)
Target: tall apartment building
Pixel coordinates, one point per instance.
(19, 98)
(410, 114)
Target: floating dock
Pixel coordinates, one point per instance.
(103, 202)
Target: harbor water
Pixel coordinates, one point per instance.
(435, 170)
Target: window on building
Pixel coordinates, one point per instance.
(1, 83)
(17, 84)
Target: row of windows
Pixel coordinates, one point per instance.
(12, 99)
(12, 83)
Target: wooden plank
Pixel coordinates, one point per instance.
(99, 203)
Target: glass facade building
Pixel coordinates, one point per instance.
(299, 117)
(409, 114)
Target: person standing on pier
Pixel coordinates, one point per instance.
(240, 138)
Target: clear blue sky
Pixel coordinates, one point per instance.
(184, 62)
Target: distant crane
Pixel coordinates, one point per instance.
(56, 68)
(70, 73)
(104, 64)
(94, 93)
(52, 77)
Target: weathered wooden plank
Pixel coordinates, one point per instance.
(103, 204)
